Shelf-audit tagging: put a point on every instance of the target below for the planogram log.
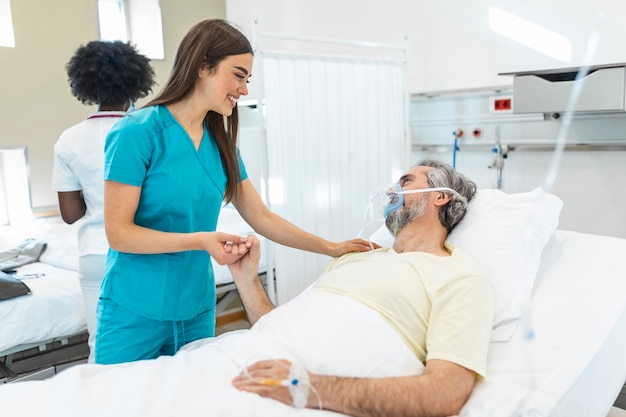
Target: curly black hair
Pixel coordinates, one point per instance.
(109, 73)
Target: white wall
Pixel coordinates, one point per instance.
(589, 179)
(451, 47)
(450, 43)
(588, 183)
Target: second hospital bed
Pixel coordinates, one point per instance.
(46, 329)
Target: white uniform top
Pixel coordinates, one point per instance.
(79, 165)
(442, 306)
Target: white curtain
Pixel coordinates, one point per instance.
(336, 129)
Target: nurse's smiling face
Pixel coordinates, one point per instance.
(221, 88)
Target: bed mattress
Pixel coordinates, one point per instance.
(54, 309)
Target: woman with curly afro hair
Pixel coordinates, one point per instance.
(112, 75)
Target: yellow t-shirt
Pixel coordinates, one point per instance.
(443, 306)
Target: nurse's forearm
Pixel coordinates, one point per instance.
(137, 239)
(142, 240)
(274, 227)
(281, 231)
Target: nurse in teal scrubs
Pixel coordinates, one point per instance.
(169, 167)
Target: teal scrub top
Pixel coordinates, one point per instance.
(182, 190)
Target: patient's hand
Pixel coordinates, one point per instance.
(251, 291)
(265, 378)
(248, 264)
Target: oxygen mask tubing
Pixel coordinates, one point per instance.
(386, 200)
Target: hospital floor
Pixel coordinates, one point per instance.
(235, 325)
(233, 319)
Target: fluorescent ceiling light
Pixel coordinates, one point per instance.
(530, 34)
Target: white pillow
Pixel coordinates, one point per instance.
(506, 233)
(62, 244)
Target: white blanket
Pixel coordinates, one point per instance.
(327, 333)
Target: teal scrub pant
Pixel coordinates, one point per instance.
(124, 336)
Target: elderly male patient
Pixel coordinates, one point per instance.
(435, 296)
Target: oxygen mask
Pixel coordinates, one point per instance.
(395, 197)
(388, 199)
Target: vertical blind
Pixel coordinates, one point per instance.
(336, 129)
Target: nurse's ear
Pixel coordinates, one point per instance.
(204, 71)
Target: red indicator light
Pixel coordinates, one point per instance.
(502, 104)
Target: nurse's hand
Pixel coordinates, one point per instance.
(225, 248)
(353, 245)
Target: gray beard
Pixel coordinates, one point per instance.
(405, 215)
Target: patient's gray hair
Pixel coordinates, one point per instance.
(445, 176)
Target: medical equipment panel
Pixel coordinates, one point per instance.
(596, 88)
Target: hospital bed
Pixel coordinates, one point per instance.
(45, 329)
(557, 343)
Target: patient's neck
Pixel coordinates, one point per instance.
(417, 237)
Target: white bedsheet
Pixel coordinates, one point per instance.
(196, 381)
(54, 308)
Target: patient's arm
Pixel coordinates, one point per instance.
(441, 390)
(251, 291)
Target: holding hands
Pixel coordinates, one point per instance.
(251, 291)
(226, 248)
(247, 264)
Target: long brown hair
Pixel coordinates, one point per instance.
(209, 43)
